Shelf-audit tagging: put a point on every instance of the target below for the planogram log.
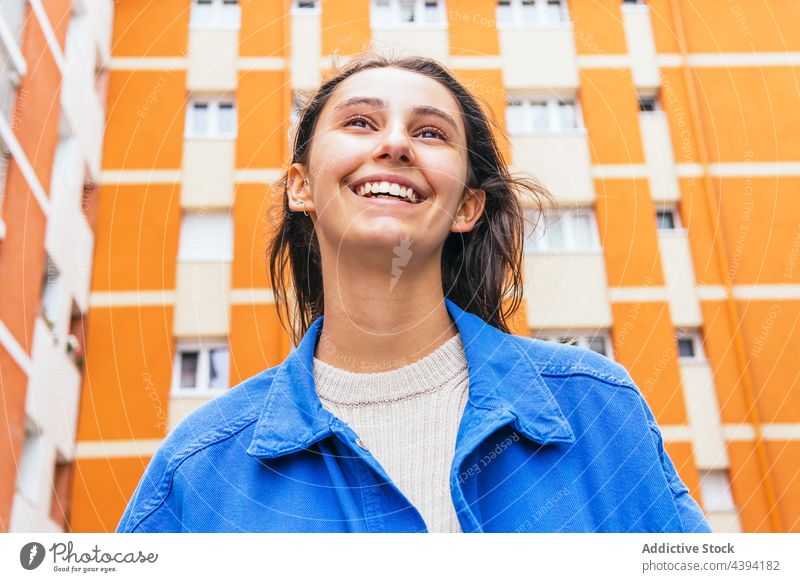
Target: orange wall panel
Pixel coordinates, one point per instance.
(145, 120)
(128, 373)
(137, 238)
(598, 27)
(263, 120)
(264, 24)
(747, 488)
(719, 349)
(760, 220)
(487, 86)
(682, 457)
(251, 206)
(663, 28)
(611, 115)
(694, 213)
(472, 27)
(713, 27)
(675, 101)
(771, 331)
(345, 27)
(151, 29)
(752, 114)
(644, 343)
(257, 340)
(13, 384)
(786, 478)
(101, 490)
(626, 221)
(59, 13)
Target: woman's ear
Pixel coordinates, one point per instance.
(470, 210)
(299, 189)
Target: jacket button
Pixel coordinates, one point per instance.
(361, 444)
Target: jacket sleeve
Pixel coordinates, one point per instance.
(153, 507)
(691, 515)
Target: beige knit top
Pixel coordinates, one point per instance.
(408, 419)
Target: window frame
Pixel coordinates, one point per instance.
(697, 345)
(553, 106)
(517, 20)
(583, 338)
(218, 19)
(538, 245)
(676, 218)
(395, 22)
(298, 10)
(722, 500)
(203, 347)
(214, 105)
(185, 249)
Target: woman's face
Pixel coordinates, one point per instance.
(392, 126)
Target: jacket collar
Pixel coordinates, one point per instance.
(503, 382)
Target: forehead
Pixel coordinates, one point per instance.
(399, 88)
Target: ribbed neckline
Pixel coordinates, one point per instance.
(425, 375)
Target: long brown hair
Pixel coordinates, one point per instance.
(481, 269)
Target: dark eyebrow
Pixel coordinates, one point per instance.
(378, 103)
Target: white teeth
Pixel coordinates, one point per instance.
(386, 187)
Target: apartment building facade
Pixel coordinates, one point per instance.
(52, 97)
(674, 247)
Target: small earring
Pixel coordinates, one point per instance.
(302, 203)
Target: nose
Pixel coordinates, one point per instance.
(395, 144)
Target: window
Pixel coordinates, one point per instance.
(531, 13)
(206, 237)
(215, 14)
(689, 345)
(596, 342)
(565, 231)
(538, 115)
(667, 219)
(407, 13)
(648, 103)
(305, 6)
(715, 488)
(201, 367)
(51, 294)
(214, 118)
(639, 2)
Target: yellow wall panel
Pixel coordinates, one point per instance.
(487, 86)
(626, 221)
(263, 28)
(644, 343)
(760, 218)
(682, 457)
(263, 120)
(257, 340)
(747, 488)
(611, 114)
(783, 456)
(752, 114)
(137, 238)
(345, 27)
(663, 28)
(694, 215)
(128, 373)
(771, 330)
(472, 27)
(152, 29)
(250, 215)
(145, 120)
(101, 489)
(675, 102)
(598, 27)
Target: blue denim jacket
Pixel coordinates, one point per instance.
(553, 438)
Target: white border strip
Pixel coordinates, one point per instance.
(711, 293)
(637, 294)
(13, 347)
(266, 176)
(620, 61)
(131, 298)
(49, 35)
(115, 448)
(11, 47)
(620, 171)
(7, 135)
(251, 296)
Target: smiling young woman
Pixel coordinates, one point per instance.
(408, 405)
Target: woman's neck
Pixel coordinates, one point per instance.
(380, 321)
